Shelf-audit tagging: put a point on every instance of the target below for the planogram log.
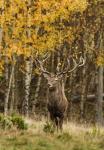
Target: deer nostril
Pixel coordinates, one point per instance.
(50, 86)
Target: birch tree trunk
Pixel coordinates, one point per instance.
(8, 89)
(28, 67)
(0, 44)
(13, 94)
(0, 35)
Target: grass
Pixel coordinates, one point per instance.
(74, 137)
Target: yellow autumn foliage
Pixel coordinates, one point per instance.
(100, 60)
(19, 21)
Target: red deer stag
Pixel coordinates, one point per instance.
(57, 101)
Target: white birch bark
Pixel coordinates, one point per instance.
(6, 78)
(13, 94)
(8, 90)
(28, 68)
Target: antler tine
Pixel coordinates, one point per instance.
(65, 71)
(46, 57)
(80, 64)
(75, 65)
(40, 65)
(58, 67)
(82, 61)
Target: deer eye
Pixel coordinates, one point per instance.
(56, 79)
(52, 89)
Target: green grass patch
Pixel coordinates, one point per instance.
(33, 139)
(64, 141)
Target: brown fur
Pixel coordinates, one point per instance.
(57, 102)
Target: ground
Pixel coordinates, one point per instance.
(73, 137)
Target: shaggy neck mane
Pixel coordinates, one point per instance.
(58, 93)
(61, 89)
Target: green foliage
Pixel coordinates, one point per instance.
(5, 122)
(19, 122)
(1, 76)
(48, 128)
(64, 141)
(12, 121)
(65, 137)
(1, 116)
(95, 131)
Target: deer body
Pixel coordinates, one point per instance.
(57, 101)
(57, 104)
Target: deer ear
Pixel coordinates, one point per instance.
(61, 76)
(46, 76)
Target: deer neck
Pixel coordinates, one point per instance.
(60, 90)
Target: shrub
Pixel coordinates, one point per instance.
(1, 117)
(14, 120)
(48, 128)
(5, 122)
(95, 131)
(19, 122)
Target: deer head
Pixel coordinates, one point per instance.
(54, 79)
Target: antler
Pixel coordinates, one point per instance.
(39, 64)
(79, 64)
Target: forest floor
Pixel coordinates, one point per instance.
(73, 137)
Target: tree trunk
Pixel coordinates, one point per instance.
(0, 52)
(28, 64)
(100, 97)
(52, 62)
(0, 35)
(83, 93)
(36, 94)
(8, 89)
(13, 94)
(100, 84)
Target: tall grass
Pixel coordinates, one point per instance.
(73, 137)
